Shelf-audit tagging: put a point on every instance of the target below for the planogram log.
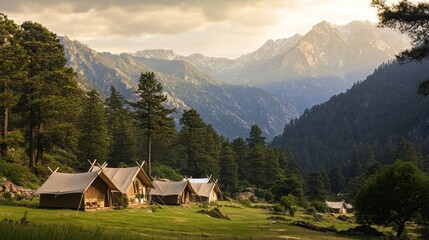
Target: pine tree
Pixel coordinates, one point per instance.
(121, 129)
(94, 138)
(316, 186)
(192, 139)
(13, 63)
(150, 112)
(240, 148)
(256, 156)
(228, 169)
(337, 180)
(50, 93)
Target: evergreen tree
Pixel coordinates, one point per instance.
(150, 112)
(316, 186)
(407, 152)
(50, 94)
(192, 139)
(240, 148)
(122, 131)
(228, 169)
(256, 156)
(337, 180)
(284, 185)
(272, 165)
(13, 63)
(94, 138)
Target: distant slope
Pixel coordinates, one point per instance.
(230, 109)
(380, 111)
(304, 70)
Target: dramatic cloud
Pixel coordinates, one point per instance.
(212, 27)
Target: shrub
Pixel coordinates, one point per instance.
(320, 206)
(7, 196)
(215, 213)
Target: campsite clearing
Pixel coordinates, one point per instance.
(173, 222)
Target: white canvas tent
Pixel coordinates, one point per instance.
(167, 192)
(206, 192)
(130, 181)
(76, 190)
(197, 180)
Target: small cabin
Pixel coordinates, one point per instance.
(83, 191)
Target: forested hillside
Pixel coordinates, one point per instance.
(380, 113)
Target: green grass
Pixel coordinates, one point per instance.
(167, 222)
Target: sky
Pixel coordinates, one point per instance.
(218, 28)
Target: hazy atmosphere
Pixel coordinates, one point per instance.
(221, 28)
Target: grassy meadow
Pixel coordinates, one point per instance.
(162, 222)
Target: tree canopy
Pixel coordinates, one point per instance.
(394, 196)
(412, 19)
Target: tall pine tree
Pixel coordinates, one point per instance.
(94, 137)
(150, 111)
(13, 63)
(50, 93)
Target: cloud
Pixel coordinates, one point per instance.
(139, 17)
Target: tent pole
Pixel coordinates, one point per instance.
(80, 202)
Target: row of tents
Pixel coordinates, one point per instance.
(103, 187)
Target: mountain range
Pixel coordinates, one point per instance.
(304, 70)
(268, 87)
(230, 109)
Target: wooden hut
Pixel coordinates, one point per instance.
(132, 182)
(83, 191)
(171, 193)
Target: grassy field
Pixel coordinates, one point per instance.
(165, 222)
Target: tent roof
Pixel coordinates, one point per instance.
(335, 205)
(66, 183)
(204, 189)
(124, 177)
(197, 180)
(168, 188)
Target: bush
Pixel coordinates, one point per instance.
(245, 202)
(164, 171)
(319, 206)
(289, 203)
(7, 196)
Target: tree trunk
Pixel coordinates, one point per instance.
(32, 149)
(39, 156)
(149, 153)
(5, 126)
(401, 226)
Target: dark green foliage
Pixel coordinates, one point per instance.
(319, 206)
(380, 112)
(13, 63)
(164, 171)
(396, 195)
(152, 115)
(317, 187)
(240, 148)
(200, 145)
(289, 203)
(228, 168)
(93, 141)
(122, 130)
(50, 96)
(337, 180)
(290, 184)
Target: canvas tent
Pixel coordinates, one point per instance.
(339, 207)
(205, 192)
(76, 190)
(168, 192)
(130, 181)
(197, 180)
